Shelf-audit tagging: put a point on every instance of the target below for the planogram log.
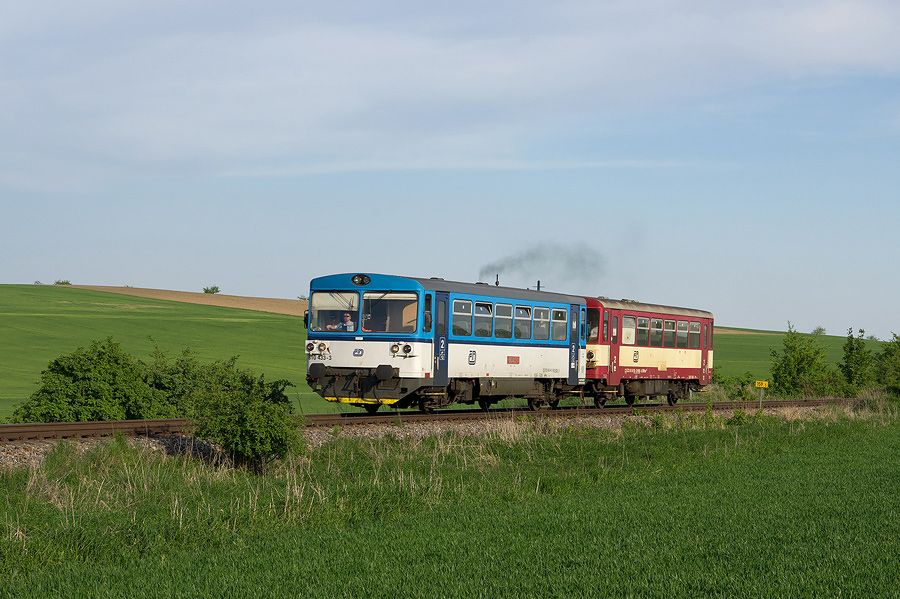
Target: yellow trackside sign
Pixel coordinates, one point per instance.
(762, 384)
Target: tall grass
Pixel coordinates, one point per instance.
(691, 504)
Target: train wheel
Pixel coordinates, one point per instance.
(629, 399)
(533, 404)
(599, 401)
(672, 398)
(425, 407)
(371, 408)
(554, 404)
(484, 404)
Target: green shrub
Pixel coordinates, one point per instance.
(858, 363)
(801, 367)
(100, 382)
(889, 364)
(736, 388)
(62, 282)
(248, 417)
(212, 289)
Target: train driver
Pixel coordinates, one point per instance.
(345, 325)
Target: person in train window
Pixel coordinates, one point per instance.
(346, 324)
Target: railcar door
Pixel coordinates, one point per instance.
(612, 376)
(441, 344)
(574, 341)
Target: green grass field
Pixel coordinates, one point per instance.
(697, 506)
(38, 323)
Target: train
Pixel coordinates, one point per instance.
(387, 340)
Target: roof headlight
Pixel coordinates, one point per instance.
(361, 279)
(310, 346)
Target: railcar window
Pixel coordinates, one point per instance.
(503, 321)
(327, 310)
(682, 333)
(705, 337)
(656, 332)
(522, 323)
(694, 338)
(559, 325)
(711, 335)
(615, 330)
(669, 334)
(605, 325)
(390, 312)
(542, 323)
(643, 331)
(462, 317)
(484, 317)
(628, 326)
(426, 326)
(593, 317)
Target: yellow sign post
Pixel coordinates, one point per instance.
(762, 386)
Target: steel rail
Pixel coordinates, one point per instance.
(68, 430)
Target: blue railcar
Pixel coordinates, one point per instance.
(379, 339)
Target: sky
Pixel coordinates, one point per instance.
(738, 157)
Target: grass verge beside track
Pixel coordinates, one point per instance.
(685, 505)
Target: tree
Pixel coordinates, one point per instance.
(858, 363)
(801, 367)
(820, 330)
(212, 289)
(889, 364)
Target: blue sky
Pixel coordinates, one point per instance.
(738, 158)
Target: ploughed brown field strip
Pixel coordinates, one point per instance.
(68, 430)
(260, 304)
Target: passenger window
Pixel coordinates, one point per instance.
(594, 326)
(669, 334)
(522, 323)
(628, 327)
(705, 336)
(682, 333)
(484, 319)
(643, 331)
(559, 325)
(694, 338)
(542, 323)
(605, 325)
(462, 317)
(615, 331)
(656, 332)
(427, 323)
(711, 335)
(503, 321)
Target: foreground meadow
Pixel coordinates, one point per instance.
(688, 505)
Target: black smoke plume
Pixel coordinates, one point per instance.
(560, 268)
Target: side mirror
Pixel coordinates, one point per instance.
(427, 321)
(306, 319)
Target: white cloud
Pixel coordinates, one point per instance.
(159, 86)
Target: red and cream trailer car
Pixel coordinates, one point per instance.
(636, 349)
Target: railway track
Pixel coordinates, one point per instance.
(77, 430)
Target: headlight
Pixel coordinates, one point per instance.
(322, 347)
(590, 355)
(395, 348)
(407, 348)
(310, 346)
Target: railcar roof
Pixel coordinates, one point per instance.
(642, 307)
(509, 292)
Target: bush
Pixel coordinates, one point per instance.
(801, 367)
(62, 282)
(212, 290)
(100, 382)
(858, 363)
(248, 417)
(736, 388)
(889, 364)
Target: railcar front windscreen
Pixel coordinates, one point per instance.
(390, 312)
(329, 311)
